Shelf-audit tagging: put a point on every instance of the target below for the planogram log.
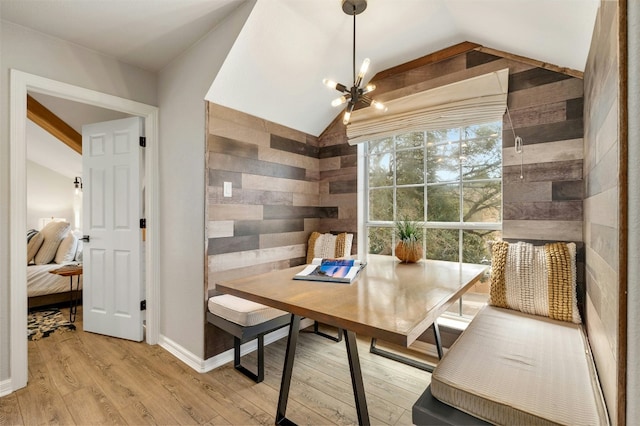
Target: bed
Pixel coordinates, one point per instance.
(45, 288)
(48, 249)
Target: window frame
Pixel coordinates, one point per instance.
(364, 222)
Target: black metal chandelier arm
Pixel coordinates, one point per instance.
(342, 88)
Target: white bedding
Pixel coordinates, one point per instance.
(41, 282)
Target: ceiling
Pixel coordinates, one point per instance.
(46, 150)
(275, 67)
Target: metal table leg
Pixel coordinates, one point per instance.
(356, 377)
(287, 371)
(354, 368)
(73, 301)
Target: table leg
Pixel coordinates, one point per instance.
(287, 371)
(408, 361)
(356, 377)
(73, 301)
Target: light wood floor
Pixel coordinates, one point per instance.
(83, 378)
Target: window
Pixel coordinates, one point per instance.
(449, 180)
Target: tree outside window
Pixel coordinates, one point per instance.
(449, 180)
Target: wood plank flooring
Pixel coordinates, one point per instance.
(83, 378)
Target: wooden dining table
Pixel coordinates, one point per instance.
(388, 300)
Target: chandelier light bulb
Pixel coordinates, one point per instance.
(329, 83)
(338, 101)
(364, 68)
(378, 105)
(346, 118)
(369, 88)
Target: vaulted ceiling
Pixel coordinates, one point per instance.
(275, 67)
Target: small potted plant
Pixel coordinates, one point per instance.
(409, 247)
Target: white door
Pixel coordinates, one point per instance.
(113, 282)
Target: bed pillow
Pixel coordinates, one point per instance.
(34, 242)
(53, 233)
(539, 280)
(67, 249)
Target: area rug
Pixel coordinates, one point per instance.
(42, 323)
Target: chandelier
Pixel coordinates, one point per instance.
(356, 94)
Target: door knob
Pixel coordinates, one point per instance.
(85, 238)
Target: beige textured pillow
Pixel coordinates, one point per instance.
(53, 233)
(33, 245)
(535, 280)
(67, 249)
(329, 245)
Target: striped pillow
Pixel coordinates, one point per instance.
(535, 280)
(53, 233)
(34, 242)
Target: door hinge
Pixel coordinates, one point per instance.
(143, 223)
(143, 141)
(143, 305)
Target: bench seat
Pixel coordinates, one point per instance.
(245, 320)
(509, 367)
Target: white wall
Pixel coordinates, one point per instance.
(182, 86)
(42, 55)
(49, 194)
(633, 301)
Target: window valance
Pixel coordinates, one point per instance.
(475, 100)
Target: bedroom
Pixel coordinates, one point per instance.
(54, 194)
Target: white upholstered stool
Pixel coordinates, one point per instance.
(245, 321)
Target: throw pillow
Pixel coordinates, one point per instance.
(535, 280)
(329, 245)
(67, 249)
(33, 245)
(53, 233)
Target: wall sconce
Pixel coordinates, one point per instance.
(77, 204)
(78, 185)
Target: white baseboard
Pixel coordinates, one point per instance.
(181, 353)
(203, 366)
(5, 387)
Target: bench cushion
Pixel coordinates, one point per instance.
(242, 311)
(510, 367)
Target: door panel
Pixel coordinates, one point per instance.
(112, 208)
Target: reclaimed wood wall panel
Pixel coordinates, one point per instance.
(548, 152)
(276, 177)
(546, 109)
(603, 204)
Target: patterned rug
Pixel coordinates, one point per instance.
(42, 323)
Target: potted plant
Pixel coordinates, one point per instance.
(409, 247)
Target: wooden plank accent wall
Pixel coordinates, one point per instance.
(602, 227)
(546, 110)
(276, 199)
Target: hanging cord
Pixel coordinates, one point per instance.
(519, 147)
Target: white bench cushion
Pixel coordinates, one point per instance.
(241, 311)
(513, 368)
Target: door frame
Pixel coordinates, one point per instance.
(20, 83)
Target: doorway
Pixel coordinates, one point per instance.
(20, 84)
